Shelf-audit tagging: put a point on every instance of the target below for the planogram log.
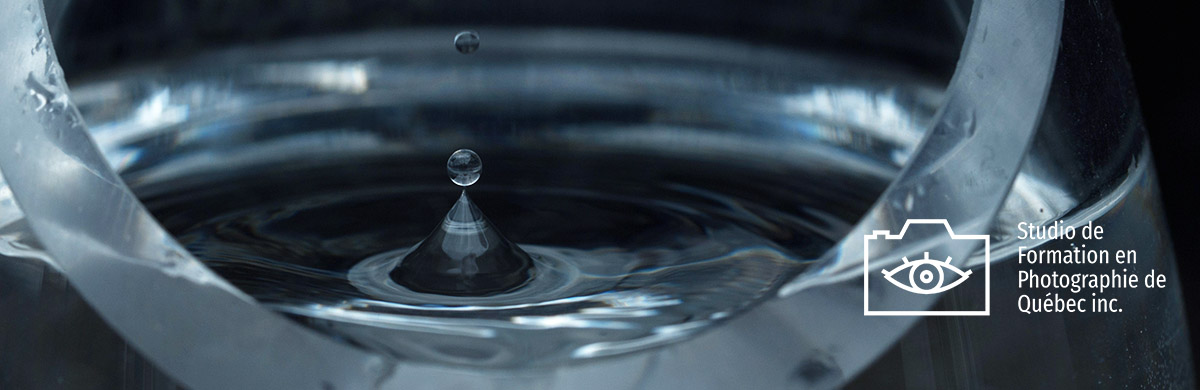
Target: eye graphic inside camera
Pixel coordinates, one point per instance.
(926, 276)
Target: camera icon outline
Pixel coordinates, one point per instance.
(887, 274)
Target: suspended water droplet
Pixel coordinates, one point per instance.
(466, 255)
(466, 42)
(464, 167)
(908, 202)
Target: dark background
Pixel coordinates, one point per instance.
(1161, 47)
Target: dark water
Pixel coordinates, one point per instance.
(640, 250)
(657, 192)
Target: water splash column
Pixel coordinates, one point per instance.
(465, 255)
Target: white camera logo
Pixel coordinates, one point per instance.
(926, 276)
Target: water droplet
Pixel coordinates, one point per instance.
(464, 167)
(968, 124)
(40, 95)
(908, 202)
(38, 100)
(466, 42)
(818, 372)
(466, 255)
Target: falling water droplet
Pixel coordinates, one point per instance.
(466, 255)
(466, 42)
(464, 167)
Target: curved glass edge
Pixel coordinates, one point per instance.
(52, 161)
(177, 313)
